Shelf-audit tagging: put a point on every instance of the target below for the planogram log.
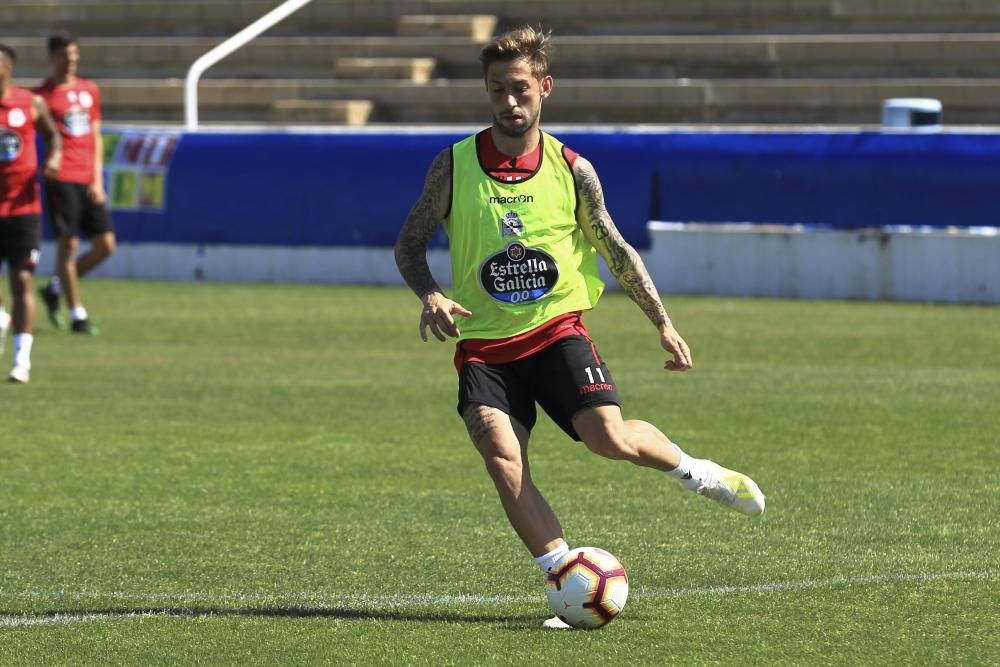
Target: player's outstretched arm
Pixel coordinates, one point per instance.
(624, 262)
(411, 251)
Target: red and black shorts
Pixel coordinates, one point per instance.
(20, 241)
(72, 212)
(563, 378)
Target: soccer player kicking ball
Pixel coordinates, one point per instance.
(21, 112)
(526, 219)
(76, 197)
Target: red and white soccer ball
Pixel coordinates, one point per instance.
(587, 588)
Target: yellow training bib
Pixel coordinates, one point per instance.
(518, 256)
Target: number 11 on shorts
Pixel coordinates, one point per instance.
(590, 376)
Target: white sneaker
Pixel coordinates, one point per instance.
(730, 488)
(556, 623)
(19, 374)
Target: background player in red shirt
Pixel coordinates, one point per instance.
(76, 197)
(21, 112)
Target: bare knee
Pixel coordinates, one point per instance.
(605, 433)
(106, 244)
(611, 443)
(102, 246)
(497, 441)
(506, 472)
(21, 281)
(69, 242)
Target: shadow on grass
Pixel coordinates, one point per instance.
(117, 613)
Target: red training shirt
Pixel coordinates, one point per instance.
(75, 108)
(19, 192)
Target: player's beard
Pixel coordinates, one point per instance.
(515, 132)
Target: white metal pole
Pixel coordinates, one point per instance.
(248, 33)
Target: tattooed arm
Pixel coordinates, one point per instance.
(624, 262)
(411, 251)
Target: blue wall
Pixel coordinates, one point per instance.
(356, 189)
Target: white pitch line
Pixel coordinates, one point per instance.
(69, 619)
(781, 586)
(363, 602)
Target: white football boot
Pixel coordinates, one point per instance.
(20, 374)
(556, 623)
(730, 488)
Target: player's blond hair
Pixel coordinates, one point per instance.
(530, 44)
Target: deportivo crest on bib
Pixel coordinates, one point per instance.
(518, 274)
(511, 225)
(16, 118)
(10, 145)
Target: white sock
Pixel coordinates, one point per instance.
(4, 318)
(55, 285)
(77, 313)
(22, 349)
(546, 561)
(686, 471)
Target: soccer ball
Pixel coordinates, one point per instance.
(587, 588)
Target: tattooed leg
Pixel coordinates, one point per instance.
(503, 444)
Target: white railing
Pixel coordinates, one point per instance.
(238, 40)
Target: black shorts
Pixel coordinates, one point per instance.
(20, 241)
(72, 212)
(563, 378)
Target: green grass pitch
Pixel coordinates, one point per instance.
(275, 474)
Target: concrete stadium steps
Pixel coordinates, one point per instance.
(574, 101)
(626, 61)
(417, 70)
(640, 17)
(197, 17)
(294, 57)
(888, 55)
(335, 112)
(478, 27)
(222, 17)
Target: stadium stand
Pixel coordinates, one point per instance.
(630, 61)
